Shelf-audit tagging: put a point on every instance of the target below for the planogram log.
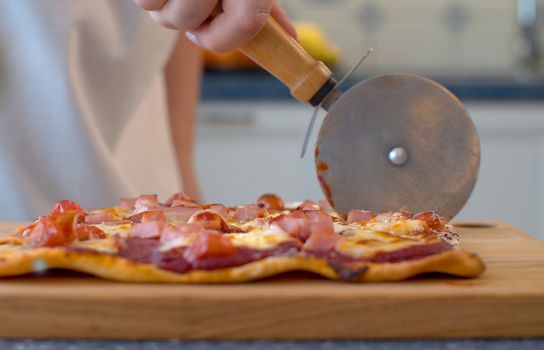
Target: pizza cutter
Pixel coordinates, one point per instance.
(390, 142)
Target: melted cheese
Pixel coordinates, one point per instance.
(375, 237)
(110, 230)
(403, 227)
(106, 245)
(259, 238)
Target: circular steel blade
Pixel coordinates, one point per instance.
(389, 112)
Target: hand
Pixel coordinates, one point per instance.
(238, 23)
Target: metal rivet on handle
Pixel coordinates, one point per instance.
(398, 156)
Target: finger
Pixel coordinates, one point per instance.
(151, 5)
(184, 15)
(239, 22)
(281, 17)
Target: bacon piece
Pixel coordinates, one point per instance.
(210, 220)
(322, 239)
(249, 212)
(128, 203)
(271, 202)
(210, 245)
(180, 199)
(98, 216)
(150, 229)
(86, 232)
(153, 215)
(53, 230)
(433, 220)
(359, 215)
(65, 205)
(308, 205)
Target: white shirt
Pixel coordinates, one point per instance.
(82, 105)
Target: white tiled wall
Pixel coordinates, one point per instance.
(436, 37)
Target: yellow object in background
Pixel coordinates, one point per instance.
(310, 37)
(314, 41)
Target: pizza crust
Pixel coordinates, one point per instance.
(454, 262)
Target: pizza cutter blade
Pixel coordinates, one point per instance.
(389, 142)
(396, 141)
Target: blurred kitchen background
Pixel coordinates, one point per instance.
(490, 53)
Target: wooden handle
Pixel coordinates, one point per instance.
(281, 55)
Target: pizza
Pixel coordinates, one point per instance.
(182, 241)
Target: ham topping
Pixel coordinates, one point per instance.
(153, 215)
(296, 224)
(65, 205)
(319, 216)
(128, 203)
(271, 202)
(322, 239)
(174, 215)
(249, 212)
(146, 202)
(210, 244)
(180, 234)
(86, 232)
(182, 203)
(52, 231)
(359, 215)
(210, 220)
(220, 209)
(308, 205)
(433, 220)
(179, 214)
(150, 229)
(180, 199)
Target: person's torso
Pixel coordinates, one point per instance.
(78, 80)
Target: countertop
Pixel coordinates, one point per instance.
(504, 344)
(258, 85)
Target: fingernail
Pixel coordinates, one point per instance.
(193, 38)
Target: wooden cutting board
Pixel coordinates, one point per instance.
(507, 301)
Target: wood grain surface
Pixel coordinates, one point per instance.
(507, 301)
